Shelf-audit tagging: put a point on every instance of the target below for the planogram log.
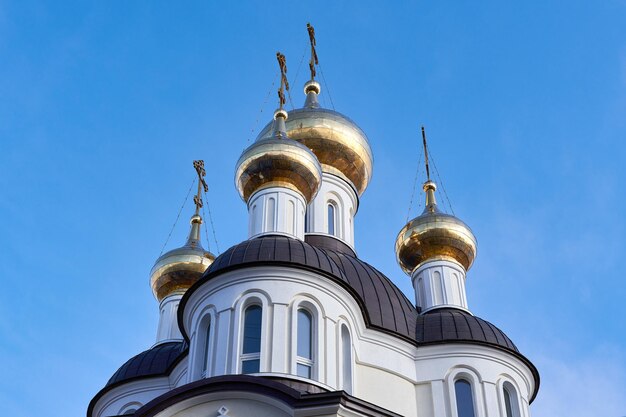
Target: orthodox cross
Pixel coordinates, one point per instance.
(197, 199)
(425, 153)
(313, 62)
(284, 84)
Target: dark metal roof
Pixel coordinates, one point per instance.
(330, 243)
(274, 249)
(279, 390)
(384, 306)
(452, 325)
(153, 362)
(387, 308)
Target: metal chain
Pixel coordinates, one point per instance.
(208, 206)
(417, 172)
(177, 217)
(206, 229)
(441, 182)
(256, 122)
(295, 80)
(326, 86)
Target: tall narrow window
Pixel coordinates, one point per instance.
(421, 296)
(304, 361)
(251, 349)
(511, 406)
(291, 217)
(271, 213)
(464, 398)
(253, 221)
(206, 350)
(331, 219)
(346, 359)
(437, 288)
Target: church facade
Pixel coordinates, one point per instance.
(291, 322)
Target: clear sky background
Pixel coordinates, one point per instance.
(104, 105)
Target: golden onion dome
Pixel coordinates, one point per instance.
(434, 235)
(340, 145)
(278, 161)
(177, 270)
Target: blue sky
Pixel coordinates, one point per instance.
(104, 105)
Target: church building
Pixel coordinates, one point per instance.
(291, 322)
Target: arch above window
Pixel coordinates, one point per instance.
(206, 346)
(346, 359)
(511, 404)
(130, 408)
(251, 343)
(304, 348)
(331, 217)
(464, 398)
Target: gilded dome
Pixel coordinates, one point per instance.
(278, 161)
(177, 270)
(434, 235)
(340, 145)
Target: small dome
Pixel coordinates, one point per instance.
(278, 161)
(340, 145)
(177, 270)
(434, 235)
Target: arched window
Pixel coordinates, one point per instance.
(332, 217)
(291, 217)
(346, 359)
(464, 398)
(251, 346)
(421, 296)
(206, 348)
(511, 407)
(129, 411)
(304, 351)
(437, 289)
(271, 213)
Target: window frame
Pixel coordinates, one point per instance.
(317, 350)
(332, 205)
(505, 386)
(349, 387)
(244, 357)
(206, 326)
(475, 382)
(301, 360)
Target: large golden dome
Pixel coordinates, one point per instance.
(434, 235)
(177, 270)
(340, 145)
(278, 161)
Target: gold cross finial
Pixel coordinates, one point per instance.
(202, 185)
(284, 84)
(425, 153)
(314, 61)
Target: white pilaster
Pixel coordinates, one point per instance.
(341, 196)
(276, 210)
(439, 283)
(168, 319)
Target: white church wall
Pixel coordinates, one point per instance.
(228, 404)
(386, 389)
(389, 372)
(167, 330)
(440, 283)
(484, 367)
(276, 210)
(291, 288)
(130, 395)
(342, 196)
